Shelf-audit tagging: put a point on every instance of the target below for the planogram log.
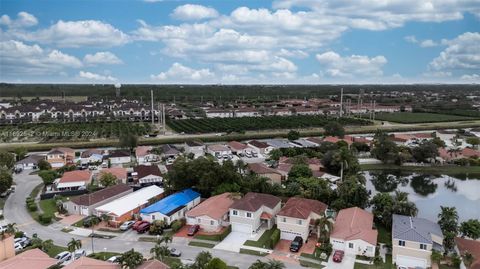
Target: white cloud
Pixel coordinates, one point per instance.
(23, 19)
(85, 75)
(437, 74)
(411, 39)
(427, 43)
(74, 34)
(180, 73)
(102, 57)
(194, 12)
(18, 58)
(472, 77)
(463, 52)
(351, 66)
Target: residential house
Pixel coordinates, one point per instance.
(144, 155)
(260, 147)
(30, 162)
(119, 172)
(91, 156)
(413, 240)
(353, 232)
(119, 157)
(172, 207)
(85, 204)
(253, 212)
(305, 143)
(218, 150)
(212, 214)
(195, 147)
(315, 140)
(298, 216)
(153, 264)
(73, 180)
(280, 144)
(263, 170)
(128, 207)
(239, 148)
(59, 157)
(147, 175)
(170, 151)
(468, 246)
(31, 259)
(86, 262)
(7, 249)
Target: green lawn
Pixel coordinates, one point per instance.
(104, 255)
(48, 206)
(262, 241)
(55, 250)
(315, 255)
(409, 117)
(384, 235)
(309, 264)
(387, 265)
(253, 252)
(201, 244)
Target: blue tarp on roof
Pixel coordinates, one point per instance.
(172, 202)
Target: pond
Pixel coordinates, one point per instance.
(429, 192)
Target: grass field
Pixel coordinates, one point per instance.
(201, 244)
(408, 117)
(104, 255)
(262, 241)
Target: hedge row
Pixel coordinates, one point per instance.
(215, 237)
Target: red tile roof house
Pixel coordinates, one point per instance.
(464, 153)
(89, 263)
(153, 264)
(353, 232)
(73, 180)
(144, 155)
(213, 213)
(253, 212)
(31, 259)
(119, 172)
(297, 217)
(262, 170)
(59, 157)
(147, 174)
(237, 147)
(84, 204)
(260, 147)
(471, 246)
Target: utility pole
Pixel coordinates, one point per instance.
(163, 119)
(152, 114)
(373, 116)
(341, 102)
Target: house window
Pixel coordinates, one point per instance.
(235, 212)
(401, 243)
(153, 217)
(369, 249)
(212, 222)
(249, 215)
(199, 220)
(350, 245)
(423, 246)
(74, 207)
(299, 222)
(284, 219)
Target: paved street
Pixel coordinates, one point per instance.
(16, 212)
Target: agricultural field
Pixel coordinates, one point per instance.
(409, 117)
(192, 126)
(55, 132)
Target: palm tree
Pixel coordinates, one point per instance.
(403, 206)
(323, 227)
(11, 228)
(165, 239)
(202, 259)
(271, 264)
(47, 245)
(467, 259)
(74, 244)
(131, 259)
(160, 252)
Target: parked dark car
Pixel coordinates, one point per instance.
(296, 244)
(193, 230)
(142, 228)
(138, 223)
(338, 255)
(90, 221)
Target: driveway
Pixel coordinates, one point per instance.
(233, 242)
(348, 262)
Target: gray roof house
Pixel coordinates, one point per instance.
(413, 240)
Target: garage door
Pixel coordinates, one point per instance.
(411, 261)
(289, 235)
(242, 228)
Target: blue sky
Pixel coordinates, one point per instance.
(240, 42)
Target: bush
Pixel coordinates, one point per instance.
(177, 225)
(327, 248)
(29, 200)
(19, 234)
(45, 218)
(32, 207)
(274, 238)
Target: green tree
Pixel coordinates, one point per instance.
(474, 141)
(108, 179)
(48, 176)
(7, 160)
(202, 259)
(334, 128)
(216, 263)
(299, 171)
(293, 135)
(20, 153)
(160, 252)
(468, 259)
(131, 259)
(378, 261)
(47, 245)
(351, 193)
(44, 165)
(384, 148)
(448, 221)
(128, 141)
(470, 228)
(271, 264)
(6, 180)
(439, 142)
(74, 244)
(425, 151)
(436, 256)
(275, 154)
(385, 205)
(324, 227)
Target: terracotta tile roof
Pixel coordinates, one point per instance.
(237, 145)
(98, 196)
(89, 263)
(252, 201)
(146, 170)
(119, 153)
(301, 208)
(258, 144)
(153, 264)
(354, 223)
(89, 152)
(215, 207)
(75, 176)
(260, 168)
(468, 152)
(265, 215)
(66, 151)
(472, 247)
(31, 259)
(141, 151)
(217, 147)
(334, 139)
(119, 172)
(315, 140)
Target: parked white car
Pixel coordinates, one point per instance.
(63, 257)
(114, 259)
(79, 253)
(18, 247)
(127, 225)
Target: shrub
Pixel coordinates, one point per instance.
(177, 225)
(19, 234)
(327, 248)
(45, 218)
(29, 200)
(32, 207)
(274, 238)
